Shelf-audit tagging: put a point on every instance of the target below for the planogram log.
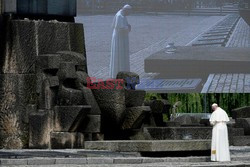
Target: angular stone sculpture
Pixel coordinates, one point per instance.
(131, 79)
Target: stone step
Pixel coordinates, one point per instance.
(129, 161)
(178, 133)
(241, 140)
(149, 145)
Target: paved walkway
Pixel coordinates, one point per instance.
(232, 83)
(227, 83)
(240, 36)
(239, 156)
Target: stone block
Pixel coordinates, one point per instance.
(243, 112)
(39, 130)
(127, 160)
(66, 70)
(102, 160)
(48, 61)
(90, 100)
(134, 98)
(16, 92)
(78, 59)
(91, 124)
(243, 123)
(21, 55)
(66, 140)
(77, 42)
(236, 131)
(52, 37)
(53, 81)
(178, 133)
(30, 108)
(134, 117)
(82, 78)
(172, 124)
(42, 161)
(68, 118)
(59, 36)
(28, 38)
(184, 119)
(47, 95)
(241, 140)
(11, 162)
(69, 96)
(68, 161)
(112, 105)
(131, 79)
(159, 106)
(149, 145)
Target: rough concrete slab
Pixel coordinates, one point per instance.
(41, 161)
(127, 161)
(13, 162)
(99, 161)
(149, 145)
(78, 161)
(199, 60)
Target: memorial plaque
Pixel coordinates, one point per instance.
(159, 85)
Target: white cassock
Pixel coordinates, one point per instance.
(220, 144)
(120, 45)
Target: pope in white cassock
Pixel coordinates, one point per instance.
(220, 145)
(120, 42)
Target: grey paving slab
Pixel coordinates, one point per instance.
(78, 161)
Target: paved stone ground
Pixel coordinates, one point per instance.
(150, 33)
(240, 156)
(232, 83)
(227, 83)
(240, 36)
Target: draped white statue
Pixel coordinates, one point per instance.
(220, 144)
(119, 60)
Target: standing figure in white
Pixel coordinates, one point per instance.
(220, 145)
(120, 42)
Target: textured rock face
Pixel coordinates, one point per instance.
(134, 98)
(243, 112)
(68, 118)
(112, 105)
(16, 91)
(184, 120)
(243, 123)
(39, 68)
(46, 99)
(150, 145)
(28, 39)
(66, 140)
(39, 130)
(134, 117)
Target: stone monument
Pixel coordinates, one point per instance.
(45, 100)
